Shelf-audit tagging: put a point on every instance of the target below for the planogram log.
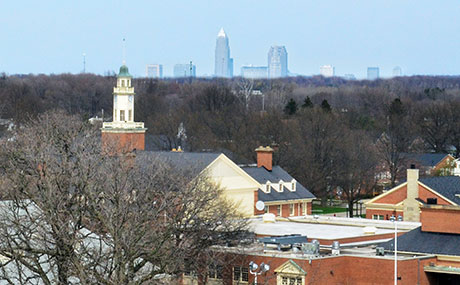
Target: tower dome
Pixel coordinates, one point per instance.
(124, 71)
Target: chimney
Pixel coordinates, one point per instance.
(411, 206)
(265, 157)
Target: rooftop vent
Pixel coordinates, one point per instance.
(432, 201)
(335, 248)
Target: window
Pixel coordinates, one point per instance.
(130, 115)
(293, 185)
(267, 188)
(115, 114)
(122, 115)
(215, 271)
(241, 274)
(129, 83)
(122, 83)
(377, 217)
(267, 209)
(291, 280)
(278, 210)
(291, 209)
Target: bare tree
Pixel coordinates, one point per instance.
(355, 167)
(77, 216)
(245, 87)
(395, 141)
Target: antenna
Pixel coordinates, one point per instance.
(124, 51)
(84, 62)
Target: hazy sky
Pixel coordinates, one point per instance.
(423, 37)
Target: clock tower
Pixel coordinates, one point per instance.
(123, 135)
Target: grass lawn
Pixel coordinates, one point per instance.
(327, 210)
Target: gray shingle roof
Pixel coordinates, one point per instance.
(426, 159)
(190, 161)
(262, 175)
(447, 186)
(426, 242)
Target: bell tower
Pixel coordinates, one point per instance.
(123, 135)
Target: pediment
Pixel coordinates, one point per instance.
(290, 267)
(229, 175)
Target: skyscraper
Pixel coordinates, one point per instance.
(154, 70)
(223, 62)
(372, 73)
(184, 70)
(277, 62)
(327, 70)
(397, 71)
(250, 71)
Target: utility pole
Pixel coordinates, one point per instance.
(191, 69)
(84, 62)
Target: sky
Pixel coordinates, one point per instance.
(50, 36)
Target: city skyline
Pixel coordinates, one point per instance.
(52, 36)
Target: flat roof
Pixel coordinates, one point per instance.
(313, 230)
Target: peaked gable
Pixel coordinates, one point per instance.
(290, 267)
(225, 172)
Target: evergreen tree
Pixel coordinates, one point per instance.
(291, 107)
(325, 106)
(307, 103)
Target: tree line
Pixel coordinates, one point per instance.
(329, 133)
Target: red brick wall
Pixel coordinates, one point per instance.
(343, 270)
(443, 163)
(425, 193)
(286, 210)
(370, 213)
(395, 197)
(440, 220)
(123, 142)
(256, 198)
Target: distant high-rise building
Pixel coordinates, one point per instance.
(349, 76)
(327, 70)
(223, 62)
(184, 70)
(372, 73)
(154, 71)
(250, 71)
(277, 62)
(397, 71)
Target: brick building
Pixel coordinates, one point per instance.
(427, 254)
(407, 198)
(282, 195)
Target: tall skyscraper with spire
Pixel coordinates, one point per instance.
(223, 62)
(277, 62)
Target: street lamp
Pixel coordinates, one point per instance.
(253, 269)
(393, 219)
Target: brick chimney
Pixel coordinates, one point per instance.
(411, 205)
(265, 157)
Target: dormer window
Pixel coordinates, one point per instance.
(267, 188)
(293, 183)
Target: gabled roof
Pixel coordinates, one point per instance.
(262, 175)
(190, 161)
(426, 159)
(447, 186)
(426, 242)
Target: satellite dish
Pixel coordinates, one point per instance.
(260, 205)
